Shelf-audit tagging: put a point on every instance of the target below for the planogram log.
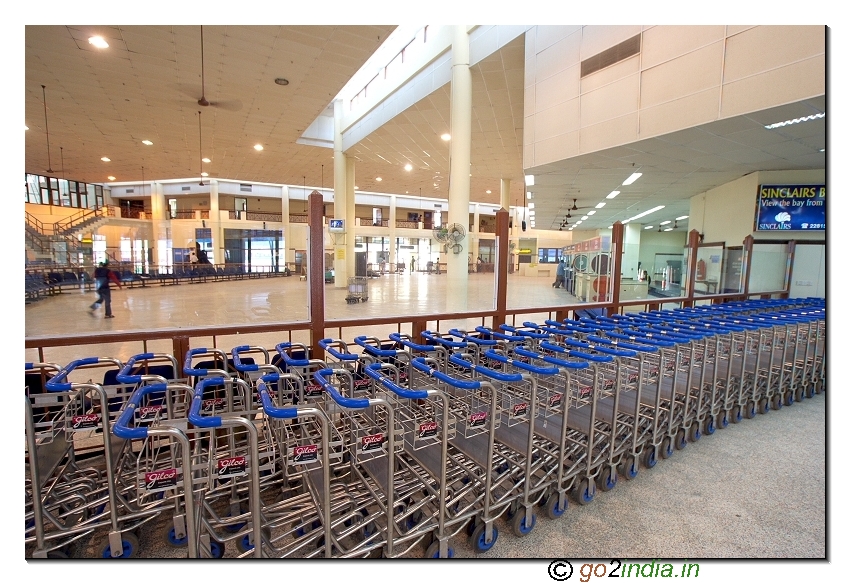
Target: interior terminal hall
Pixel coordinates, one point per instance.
(573, 278)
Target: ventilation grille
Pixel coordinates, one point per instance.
(185, 188)
(608, 57)
(130, 191)
(245, 188)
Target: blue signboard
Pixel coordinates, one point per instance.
(791, 207)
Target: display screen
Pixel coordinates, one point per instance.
(336, 225)
(791, 207)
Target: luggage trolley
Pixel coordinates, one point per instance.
(58, 490)
(89, 410)
(295, 358)
(358, 290)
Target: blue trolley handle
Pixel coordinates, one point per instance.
(56, 383)
(124, 375)
(373, 371)
(325, 343)
(194, 415)
(422, 366)
(443, 341)
(473, 339)
(347, 402)
(281, 350)
(621, 345)
(374, 350)
(188, 369)
(526, 333)
(552, 360)
(577, 353)
(122, 428)
(410, 344)
(499, 335)
(642, 339)
(486, 371)
(288, 412)
(545, 371)
(237, 362)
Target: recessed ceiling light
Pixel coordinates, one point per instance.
(682, 218)
(435, 184)
(282, 81)
(147, 142)
(204, 174)
(206, 160)
(589, 213)
(105, 159)
(668, 229)
(356, 187)
(258, 147)
(378, 179)
(665, 222)
(649, 227)
(446, 137)
(600, 205)
(632, 178)
(98, 42)
(613, 194)
(489, 191)
(408, 167)
(111, 177)
(584, 218)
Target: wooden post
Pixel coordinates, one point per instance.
(617, 242)
(789, 272)
(693, 249)
(502, 221)
(748, 261)
(180, 348)
(316, 272)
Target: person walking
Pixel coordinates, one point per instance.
(412, 264)
(103, 276)
(559, 275)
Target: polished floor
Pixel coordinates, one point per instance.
(757, 489)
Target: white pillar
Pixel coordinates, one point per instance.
(215, 225)
(288, 254)
(461, 143)
(159, 224)
(349, 216)
(505, 194)
(393, 203)
(341, 201)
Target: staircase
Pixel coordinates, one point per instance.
(48, 243)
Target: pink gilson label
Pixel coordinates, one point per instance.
(520, 409)
(232, 466)
(305, 453)
(148, 413)
(427, 429)
(477, 419)
(555, 399)
(85, 421)
(161, 479)
(370, 442)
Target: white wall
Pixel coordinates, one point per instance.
(808, 278)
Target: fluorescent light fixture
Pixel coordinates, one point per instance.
(446, 137)
(668, 229)
(206, 160)
(529, 195)
(644, 213)
(408, 167)
(531, 205)
(626, 222)
(632, 178)
(584, 218)
(98, 42)
(789, 122)
(529, 179)
(26, 128)
(613, 194)
(204, 174)
(147, 142)
(378, 179)
(610, 226)
(822, 149)
(682, 218)
(600, 205)
(489, 191)
(665, 222)
(105, 159)
(258, 147)
(649, 227)
(591, 213)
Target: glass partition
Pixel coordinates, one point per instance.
(731, 274)
(709, 269)
(769, 267)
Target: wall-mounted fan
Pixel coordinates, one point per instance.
(456, 232)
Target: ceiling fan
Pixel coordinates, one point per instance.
(228, 105)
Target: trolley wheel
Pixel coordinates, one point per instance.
(236, 527)
(750, 410)
(607, 479)
(586, 491)
(553, 509)
(694, 434)
(244, 542)
(722, 421)
(629, 467)
(735, 414)
(649, 458)
(666, 449)
(521, 525)
(413, 520)
(433, 551)
(789, 399)
(56, 555)
(479, 542)
(172, 540)
(365, 298)
(818, 387)
(799, 394)
(763, 406)
(681, 439)
(216, 549)
(708, 427)
(811, 390)
(129, 547)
